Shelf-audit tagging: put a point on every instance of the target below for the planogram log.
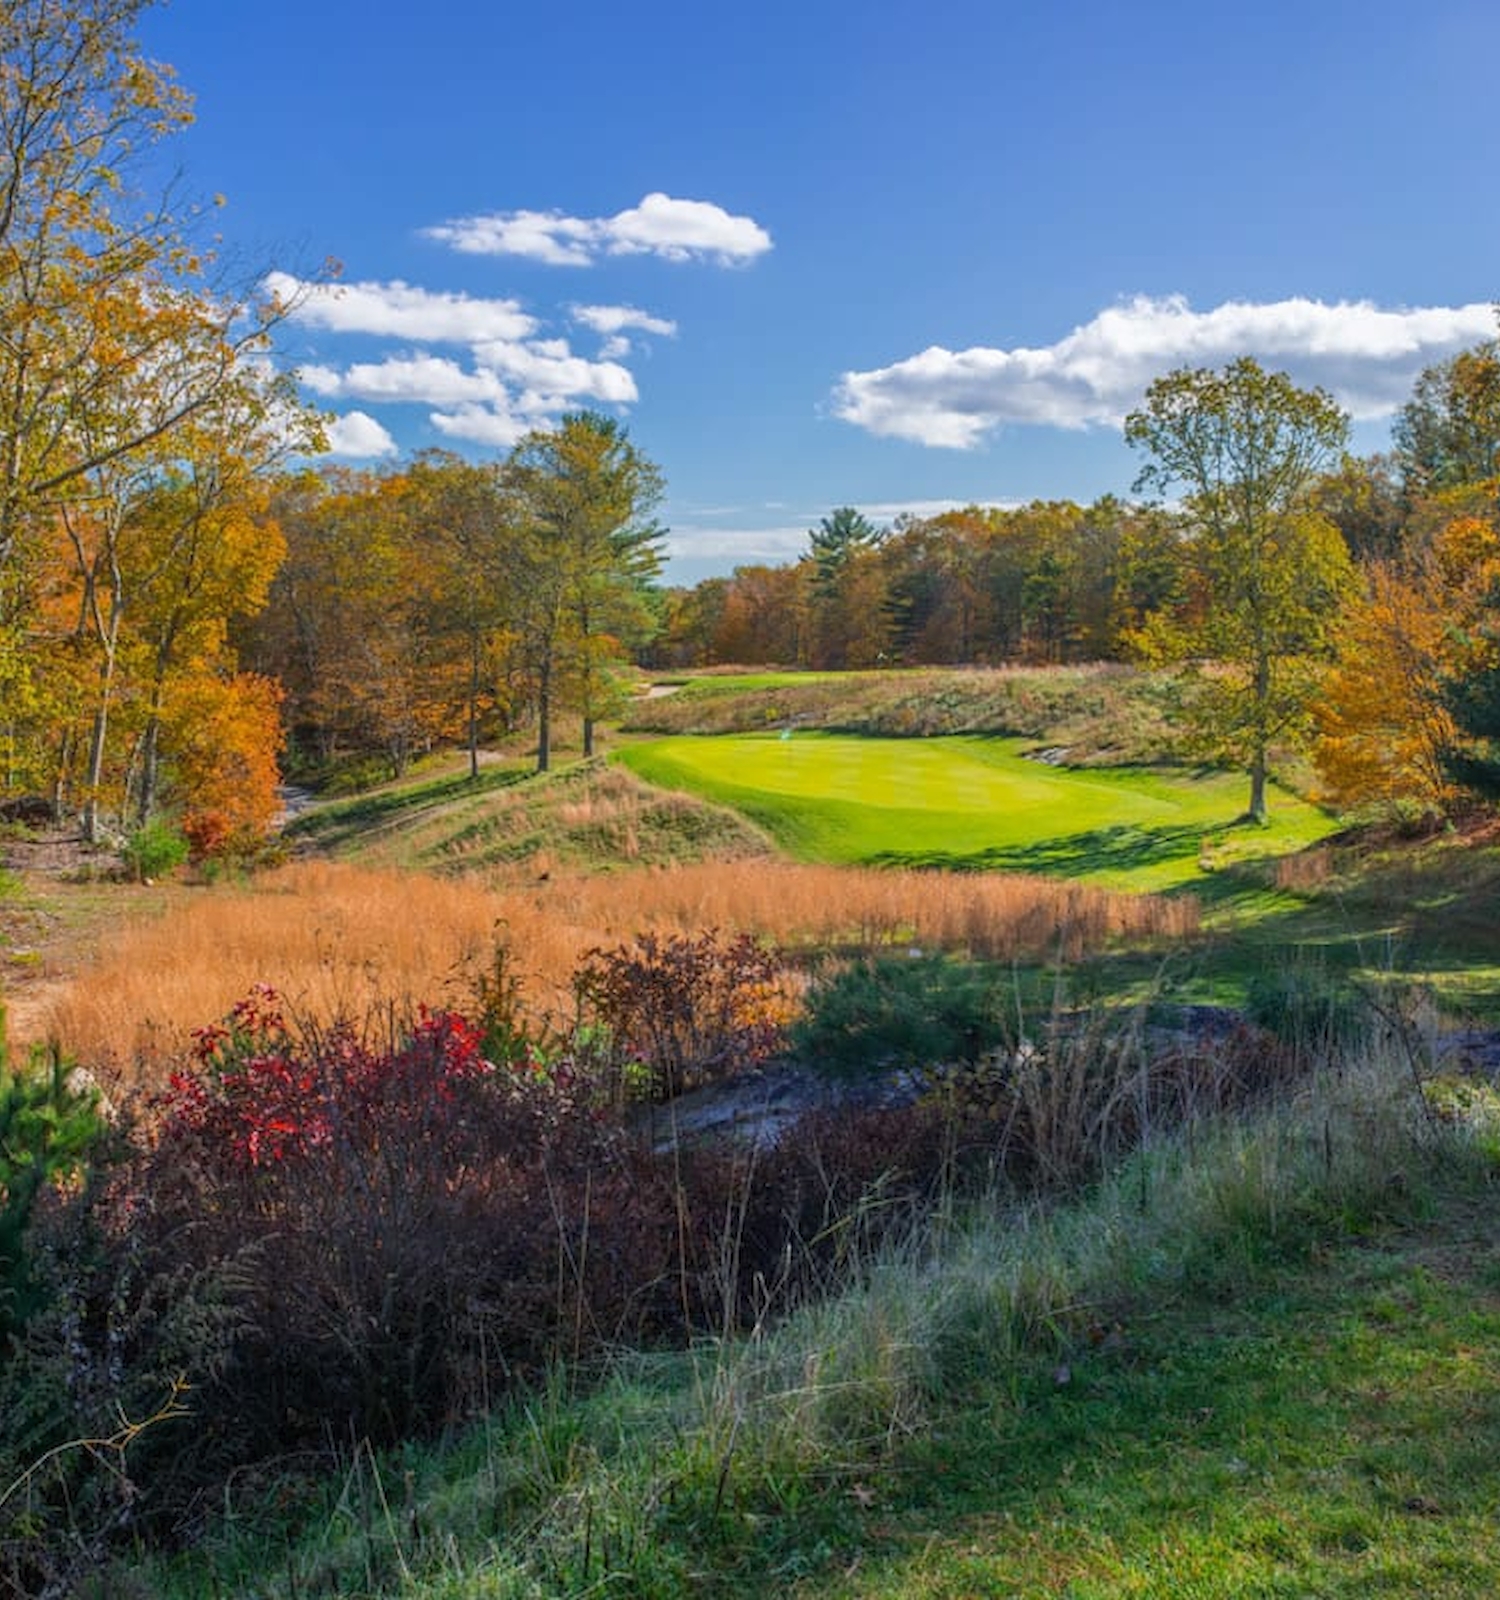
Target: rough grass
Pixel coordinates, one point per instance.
(337, 938)
(587, 814)
(1104, 714)
(1369, 906)
(1237, 1368)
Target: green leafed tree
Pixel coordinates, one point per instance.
(1242, 448)
(593, 548)
(1448, 434)
(848, 607)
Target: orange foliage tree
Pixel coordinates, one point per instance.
(1384, 728)
(224, 733)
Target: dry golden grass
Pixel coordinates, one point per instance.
(344, 940)
(1306, 870)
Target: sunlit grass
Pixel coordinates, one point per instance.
(586, 814)
(342, 939)
(979, 803)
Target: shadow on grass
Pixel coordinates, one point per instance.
(342, 817)
(1121, 848)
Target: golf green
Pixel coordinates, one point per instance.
(974, 802)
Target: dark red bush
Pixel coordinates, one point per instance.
(684, 1009)
(336, 1238)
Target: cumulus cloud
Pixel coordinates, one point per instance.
(506, 385)
(1365, 355)
(675, 230)
(610, 320)
(431, 380)
(358, 436)
(549, 371)
(492, 426)
(399, 310)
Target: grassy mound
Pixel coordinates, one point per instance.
(1094, 715)
(589, 815)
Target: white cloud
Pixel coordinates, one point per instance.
(685, 230)
(507, 388)
(884, 512)
(359, 437)
(675, 230)
(610, 320)
(550, 371)
(740, 547)
(430, 380)
(400, 311)
(487, 425)
(1367, 356)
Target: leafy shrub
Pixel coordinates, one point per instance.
(331, 1236)
(335, 1236)
(897, 1011)
(1307, 1011)
(49, 1125)
(688, 1009)
(154, 849)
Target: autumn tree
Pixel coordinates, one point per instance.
(937, 600)
(163, 545)
(104, 305)
(690, 620)
(209, 552)
(845, 591)
(1151, 573)
(1383, 729)
(1471, 682)
(468, 528)
(763, 616)
(1362, 497)
(348, 627)
(1448, 433)
(1244, 447)
(588, 498)
(222, 732)
(129, 375)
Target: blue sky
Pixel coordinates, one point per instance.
(882, 254)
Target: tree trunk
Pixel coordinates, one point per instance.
(100, 734)
(1262, 691)
(544, 719)
(473, 709)
(1258, 812)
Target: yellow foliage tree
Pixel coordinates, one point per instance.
(1383, 724)
(222, 734)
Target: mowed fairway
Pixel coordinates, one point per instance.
(976, 803)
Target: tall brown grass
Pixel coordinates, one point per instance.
(340, 940)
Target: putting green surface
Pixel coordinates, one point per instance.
(975, 802)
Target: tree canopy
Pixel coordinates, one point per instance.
(1245, 447)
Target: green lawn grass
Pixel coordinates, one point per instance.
(1330, 1431)
(711, 685)
(978, 803)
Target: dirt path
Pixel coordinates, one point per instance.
(59, 901)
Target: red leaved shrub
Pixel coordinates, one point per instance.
(685, 1008)
(338, 1237)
